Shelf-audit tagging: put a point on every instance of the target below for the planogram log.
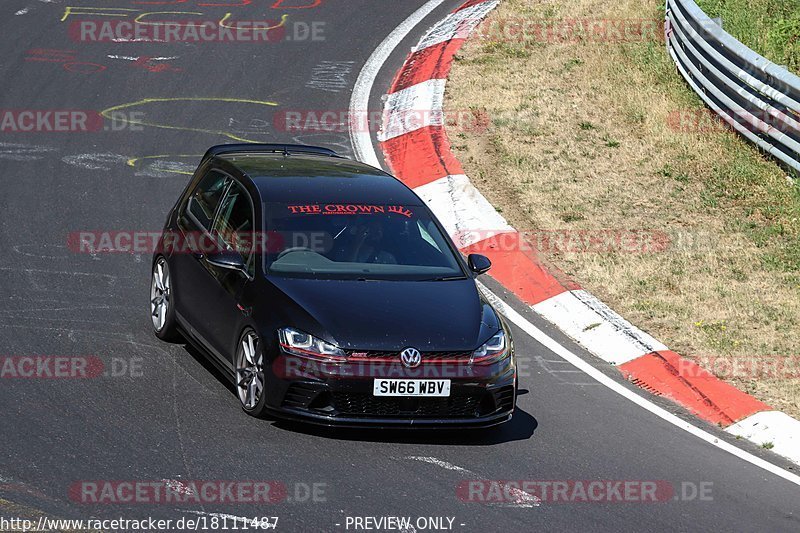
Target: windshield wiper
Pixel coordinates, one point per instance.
(445, 278)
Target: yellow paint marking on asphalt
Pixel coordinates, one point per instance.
(110, 11)
(138, 20)
(228, 15)
(107, 113)
(135, 160)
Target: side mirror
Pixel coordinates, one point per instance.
(478, 263)
(229, 260)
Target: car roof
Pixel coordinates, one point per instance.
(309, 177)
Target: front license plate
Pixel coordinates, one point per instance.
(411, 387)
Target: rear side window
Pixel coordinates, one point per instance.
(206, 197)
(233, 228)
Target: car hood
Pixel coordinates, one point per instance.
(391, 315)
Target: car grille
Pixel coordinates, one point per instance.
(363, 404)
(395, 355)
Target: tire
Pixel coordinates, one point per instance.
(250, 377)
(162, 308)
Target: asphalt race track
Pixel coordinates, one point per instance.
(161, 412)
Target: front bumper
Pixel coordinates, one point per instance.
(479, 397)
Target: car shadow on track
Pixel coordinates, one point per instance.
(521, 426)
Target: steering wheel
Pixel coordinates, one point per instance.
(294, 249)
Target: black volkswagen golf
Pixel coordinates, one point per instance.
(328, 292)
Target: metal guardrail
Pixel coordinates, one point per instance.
(759, 99)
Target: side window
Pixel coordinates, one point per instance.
(234, 225)
(206, 197)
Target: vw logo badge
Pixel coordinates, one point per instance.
(411, 357)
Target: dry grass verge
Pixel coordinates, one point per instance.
(582, 136)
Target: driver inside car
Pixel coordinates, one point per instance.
(368, 244)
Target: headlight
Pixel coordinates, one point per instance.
(492, 351)
(304, 345)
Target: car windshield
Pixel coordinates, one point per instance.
(357, 241)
